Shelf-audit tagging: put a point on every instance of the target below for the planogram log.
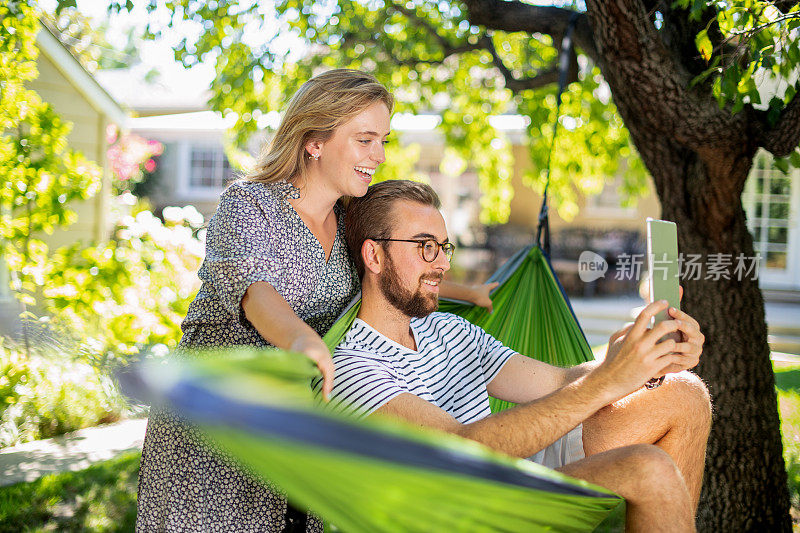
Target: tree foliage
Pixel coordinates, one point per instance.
(39, 175)
(118, 297)
(750, 52)
(434, 60)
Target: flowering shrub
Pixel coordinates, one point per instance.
(130, 294)
(129, 156)
(51, 393)
(103, 305)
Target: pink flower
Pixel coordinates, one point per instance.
(149, 165)
(156, 148)
(111, 133)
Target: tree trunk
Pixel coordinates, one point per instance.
(745, 484)
(699, 157)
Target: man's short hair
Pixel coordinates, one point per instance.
(371, 217)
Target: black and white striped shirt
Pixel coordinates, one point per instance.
(454, 362)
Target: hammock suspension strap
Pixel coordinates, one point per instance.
(543, 228)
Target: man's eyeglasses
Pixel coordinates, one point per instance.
(429, 248)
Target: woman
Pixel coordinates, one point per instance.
(277, 272)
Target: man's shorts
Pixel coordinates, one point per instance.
(565, 450)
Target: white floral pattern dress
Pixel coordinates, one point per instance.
(255, 235)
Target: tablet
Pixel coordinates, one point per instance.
(663, 268)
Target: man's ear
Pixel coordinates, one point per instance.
(372, 255)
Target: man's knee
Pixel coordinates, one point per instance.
(690, 397)
(652, 471)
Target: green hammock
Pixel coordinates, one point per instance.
(362, 475)
(379, 475)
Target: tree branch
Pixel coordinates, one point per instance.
(422, 23)
(545, 77)
(512, 15)
(650, 85)
(782, 139)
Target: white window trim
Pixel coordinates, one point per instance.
(185, 190)
(789, 278)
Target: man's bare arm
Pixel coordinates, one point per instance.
(521, 431)
(573, 373)
(530, 427)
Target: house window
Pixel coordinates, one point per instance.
(767, 200)
(209, 168)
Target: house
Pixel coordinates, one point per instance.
(78, 98)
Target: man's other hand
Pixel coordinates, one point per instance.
(481, 295)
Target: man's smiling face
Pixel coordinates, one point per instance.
(408, 282)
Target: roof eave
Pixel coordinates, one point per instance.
(83, 81)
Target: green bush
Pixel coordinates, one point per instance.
(102, 306)
(44, 395)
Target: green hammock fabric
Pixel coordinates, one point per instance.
(364, 475)
(531, 315)
(259, 409)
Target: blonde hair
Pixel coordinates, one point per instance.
(319, 106)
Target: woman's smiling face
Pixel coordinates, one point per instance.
(349, 158)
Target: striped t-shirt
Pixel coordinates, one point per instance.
(454, 362)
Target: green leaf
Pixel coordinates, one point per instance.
(794, 159)
(704, 44)
(790, 92)
(63, 4)
(782, 164)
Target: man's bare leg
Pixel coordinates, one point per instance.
(676, 417)
(647, 477)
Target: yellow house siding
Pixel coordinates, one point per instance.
(88, 137)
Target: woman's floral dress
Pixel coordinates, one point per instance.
(255, 235)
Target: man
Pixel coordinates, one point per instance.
(595, 421)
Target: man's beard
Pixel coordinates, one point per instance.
(414, 305)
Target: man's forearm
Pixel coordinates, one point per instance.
(579, 371)
(538, 424)
(457, 291)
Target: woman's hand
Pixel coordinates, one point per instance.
(474, 294)
(315, 349)
(481, 295)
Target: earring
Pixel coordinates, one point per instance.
(315, 157)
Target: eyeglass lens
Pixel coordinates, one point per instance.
(430, 249)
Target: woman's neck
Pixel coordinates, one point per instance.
(316, 202)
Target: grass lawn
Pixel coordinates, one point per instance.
(787, 381)
(100, 498)
(103, 497)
